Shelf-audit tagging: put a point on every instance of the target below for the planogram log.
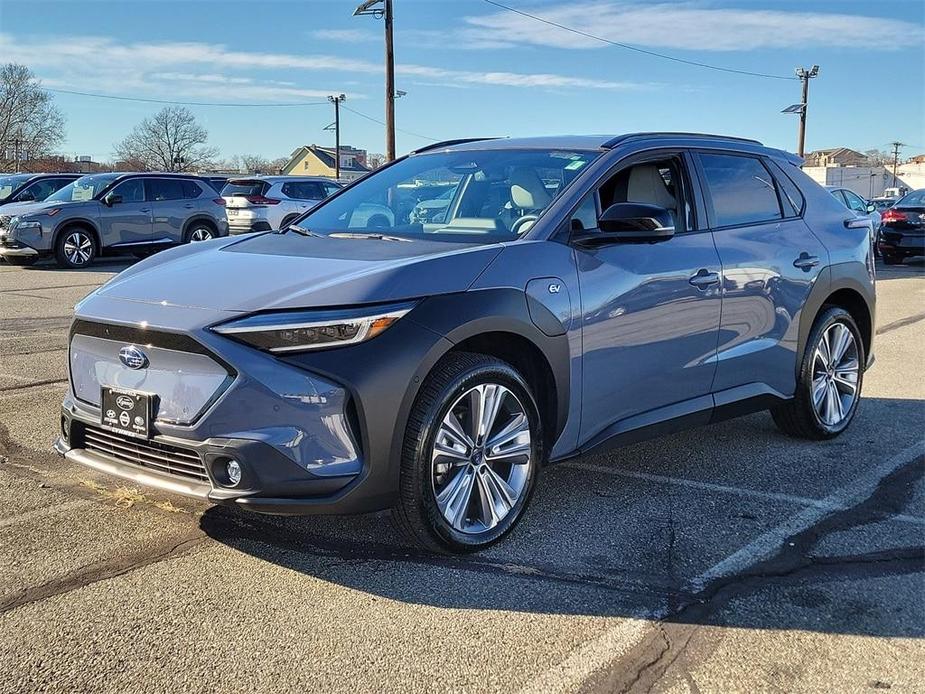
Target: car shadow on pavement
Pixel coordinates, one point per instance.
(910, 267)
(633, 533)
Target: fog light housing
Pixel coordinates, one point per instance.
(233, 471)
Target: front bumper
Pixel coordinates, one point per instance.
(18, 251)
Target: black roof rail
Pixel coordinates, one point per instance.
(450, 143)
(619, 139)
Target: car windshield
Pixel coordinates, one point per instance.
(464, 196)
(8, 184)
(84, 188)
(914, 199)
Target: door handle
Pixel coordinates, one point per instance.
(189, 207)
(145, 209)
(704, 278)
(806, 261)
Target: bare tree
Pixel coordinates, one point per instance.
(30, 125)
(878, 157)
(171, 140)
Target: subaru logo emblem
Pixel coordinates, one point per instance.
(133, 357)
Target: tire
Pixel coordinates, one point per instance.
(807, 417)
(22, 261)
(75, 247)
(890, 258)
(455, 383)
(199, 231)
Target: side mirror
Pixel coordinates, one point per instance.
(112, 199)
(636, 222)
(871, 207)
(26, 196)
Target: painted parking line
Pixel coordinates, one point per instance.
(823, 504)
(770, 542)
(614, 642)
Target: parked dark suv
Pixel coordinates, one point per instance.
(577, 293)
(31, 187)
(112, 213)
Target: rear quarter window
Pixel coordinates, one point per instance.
(792, 198)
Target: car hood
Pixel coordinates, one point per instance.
(279, 271)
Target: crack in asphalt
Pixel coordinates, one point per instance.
(99, 571)
(644, 668)
(33, 384)
(901, 323)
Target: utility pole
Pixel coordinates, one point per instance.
(370, 7)
(805, 76)
(336, 101)
(896, 146)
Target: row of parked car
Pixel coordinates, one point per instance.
(898, 224)
(76, 218)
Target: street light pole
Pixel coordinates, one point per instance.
(371, 7)
(336, 101)
(805, 76)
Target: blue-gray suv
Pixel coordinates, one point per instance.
(576, 293)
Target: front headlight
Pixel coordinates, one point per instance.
(19, 225)
(296, 331)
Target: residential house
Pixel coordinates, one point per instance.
(312, 160)
(836, 156)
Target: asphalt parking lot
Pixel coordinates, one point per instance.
(728, 558)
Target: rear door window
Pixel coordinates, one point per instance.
(791, 198)
(741, 190)
(163, 189)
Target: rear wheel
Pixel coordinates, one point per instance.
(471, 457)
(199, 231)
(829, 388)
(75, 248)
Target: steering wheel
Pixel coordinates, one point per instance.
(378, 221)
(516, 226)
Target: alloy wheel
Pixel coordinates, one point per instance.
(835, 375)
(201, 234)
(481, 457)
(78, 248)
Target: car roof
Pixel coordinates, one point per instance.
(606, 142)
(276, 179)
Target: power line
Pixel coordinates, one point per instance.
(180, 103)
(376, 120)
(628, 47)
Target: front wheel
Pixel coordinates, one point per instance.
(829, 387)
(75, 248)
(472, 452)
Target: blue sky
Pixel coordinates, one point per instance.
(470, 68)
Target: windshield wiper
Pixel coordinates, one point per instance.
(376, 237)
(301, 231)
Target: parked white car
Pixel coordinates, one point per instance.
(267, 203)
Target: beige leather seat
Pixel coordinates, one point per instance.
(646, 185)
(527, 190)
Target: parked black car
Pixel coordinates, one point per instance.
(903, 232)
(32, 187)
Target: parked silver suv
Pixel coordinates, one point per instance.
(267, 203)
(112, 213)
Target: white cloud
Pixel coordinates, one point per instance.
(693, 26)
(105, 64)
(348, 35)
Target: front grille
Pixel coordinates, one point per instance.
(162, 457)
(5, 220)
